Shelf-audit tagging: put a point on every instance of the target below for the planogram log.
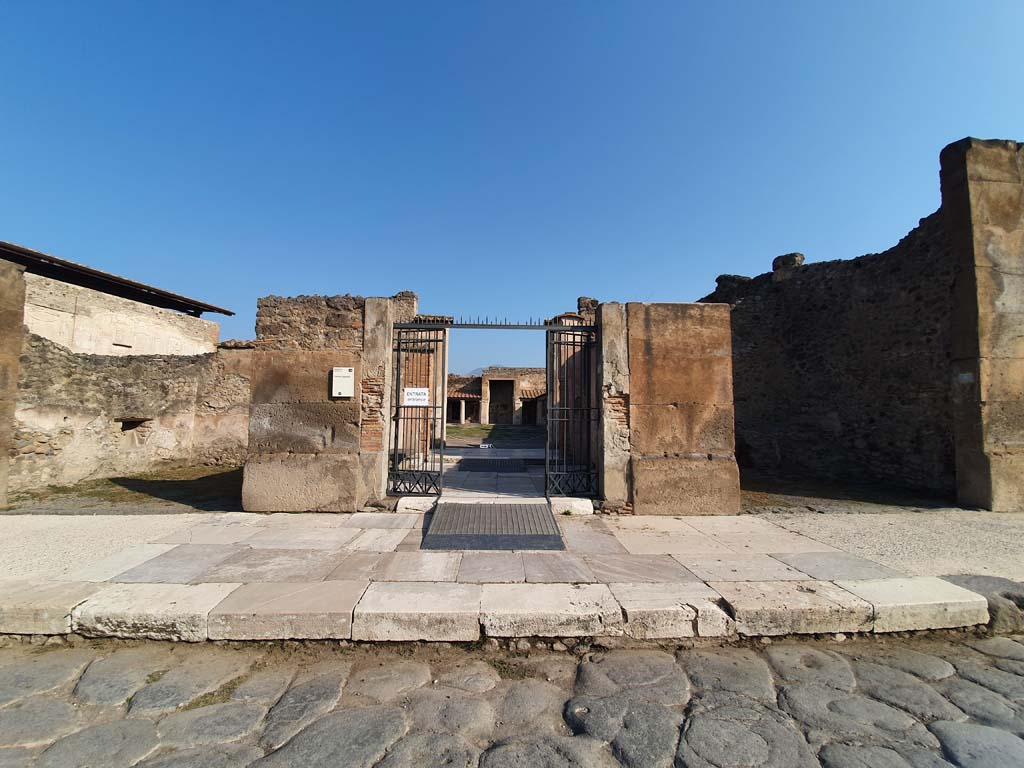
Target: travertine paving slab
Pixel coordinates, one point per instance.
(549, 610)
(714, 525)
(492, 567)
(590, 537)
(659, 610)
(307, 519)
(119, 562)
(378, 540)
(356, 566)
(770, 543)
(312, 611)
(302, 538)
(181, 565)
(653, 538)
(418, 611)
(211, 534)
(36, 607)
(275, 565)
(835, 566)
(418, 566)
(636, 568)
(922, 602)
(793, 607)
(154, 611)
(749, 567)
(385, 520)
(556, 567)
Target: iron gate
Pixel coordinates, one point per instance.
(417, 434)
(570, 457)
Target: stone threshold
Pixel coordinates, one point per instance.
(400, 611)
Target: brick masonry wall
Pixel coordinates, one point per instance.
(71, 411)
(842, 368)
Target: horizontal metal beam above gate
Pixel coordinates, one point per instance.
(497, 326)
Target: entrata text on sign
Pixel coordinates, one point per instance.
(416, 396)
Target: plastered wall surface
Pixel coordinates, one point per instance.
(95, 323)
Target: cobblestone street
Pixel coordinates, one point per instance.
(955, 699)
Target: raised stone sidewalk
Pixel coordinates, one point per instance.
(238, 576)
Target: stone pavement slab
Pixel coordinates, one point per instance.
(154, 611)
(280, 537)
(556, 567)
(770, 543)
(835, 566)
(119, 743)
(418, 566)
(385, 520)
(119, 562)
(626, 568)
(275, 565)
(418, 611)
(311, 610)
(668, 610)
(921, 602)
(378, 540)
(656, 536)
(208, 533)
(182, 564)
(589, 537)
(549, 610)
(356, 566)
(31, 606)
(748, 567)
(492, 567)
(793, 607)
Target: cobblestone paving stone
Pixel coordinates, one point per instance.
(926, 701)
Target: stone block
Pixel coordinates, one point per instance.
(668, 611)
(283, 482)
(793, 607)
(626, 568)
(685, 486)
(406, 611)
(679, 353)
(299, 376)
(305, 610)
(304, 427)
(1007, 478)
(921, 602)
(12, 286)
(180, 565)
(682, 428)
(745, 567)
(37, 607)
(1001, 379)
(279, 537)
(549, 610)
(275, 565)
(566, 505)
(556, 567)
(491, 567)
(833, 566)
(117, 563)
(152, 611)
(418, 566)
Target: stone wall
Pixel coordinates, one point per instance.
(82, 417)
(680, 411)
(842, 367)
(12, 301)
(983, 207)
(521, 378)
(91, 322)
(308, 450)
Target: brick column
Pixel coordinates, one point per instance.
(983, 215)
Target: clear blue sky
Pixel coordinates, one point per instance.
(495, 157)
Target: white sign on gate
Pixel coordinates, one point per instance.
(416, 396)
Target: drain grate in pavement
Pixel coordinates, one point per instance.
(490, 465)
(492, 526)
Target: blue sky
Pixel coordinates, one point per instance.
(498, 158)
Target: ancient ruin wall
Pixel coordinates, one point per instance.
(307, 449)
(92, 322)
(842, 368)
(12, 300)
(90, 416)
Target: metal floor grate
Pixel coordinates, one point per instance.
(490, 465)
(492, 526)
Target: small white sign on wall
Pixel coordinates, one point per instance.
(416, 396)
(343, 382)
